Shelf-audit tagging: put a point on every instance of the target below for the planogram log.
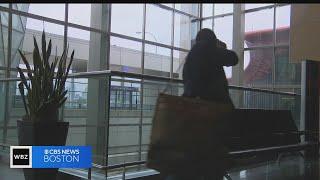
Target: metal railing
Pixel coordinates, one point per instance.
(149, 87)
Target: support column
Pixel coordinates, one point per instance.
(238, 47)
(98, 87)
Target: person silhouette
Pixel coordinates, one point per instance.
(203, 73)
(204, 77)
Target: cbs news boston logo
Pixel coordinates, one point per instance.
(50, 157)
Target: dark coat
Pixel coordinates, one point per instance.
(203, 73)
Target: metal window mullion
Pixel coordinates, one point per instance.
(176, 10)
(212, 24)
(142, 80)
(147, 42)
(38, 17)
(108, 35)
(78, 26)
(200, 25)
(109, 80)
(65, 39)
(172, 42)
(274, 55)
(7, 75)
(258, 47)
(259, 8)
(217, 16)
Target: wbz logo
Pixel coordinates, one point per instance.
(20, 156)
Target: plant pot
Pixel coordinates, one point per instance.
(41, 134)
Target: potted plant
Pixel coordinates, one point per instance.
(45, 94)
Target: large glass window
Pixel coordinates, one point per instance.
(157, 60)
(255, 5)
(3, 38)
(258, 65)
(178, 62)
(282, 24)
(259, 28)
(223, 28)
(79, 41)
(22, 38)
(223, 8)
(188, 8)
(79, 14)
(158, 24)
(54, 11)
(207, 24)
(125, 55)
(182, 31)
(127, 19)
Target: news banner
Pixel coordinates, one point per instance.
(50, 157)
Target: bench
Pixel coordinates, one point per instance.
(257, 135)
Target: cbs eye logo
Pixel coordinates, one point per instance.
(20, 156)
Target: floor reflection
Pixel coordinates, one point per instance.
(290, 167)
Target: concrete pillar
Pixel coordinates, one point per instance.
(238, 47)
(98, 87)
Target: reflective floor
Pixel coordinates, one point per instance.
(290, 168)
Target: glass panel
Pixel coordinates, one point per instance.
(286, 72)
(282, 24)
(4, 5)
(222, 8)
(158, 25)
(55, 11)
(207, 10)
(207, 24)
(259, 28)
(188, 8)
(21, 7)
(258, 65)
(253, 5)
(182, 31)
(79, 14)
(157, 60)
(127, 19)
(178, 62)
(22, 38)
(86, 45)
(15, 112)
(124, 120)
(125, 55)
(2, 104)
(223, 28)
(3, 38)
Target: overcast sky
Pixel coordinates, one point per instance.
(128, 20)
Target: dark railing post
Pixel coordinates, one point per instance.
(310, 112)
(310, 101)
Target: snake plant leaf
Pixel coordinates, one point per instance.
(37, 57)
(24, 59)
(44, 48)
(46, 88)
(21, 89)
(49, 50)
(23, 78)
(68, 69)
(63, 101)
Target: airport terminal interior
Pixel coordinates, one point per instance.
(126, 54)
